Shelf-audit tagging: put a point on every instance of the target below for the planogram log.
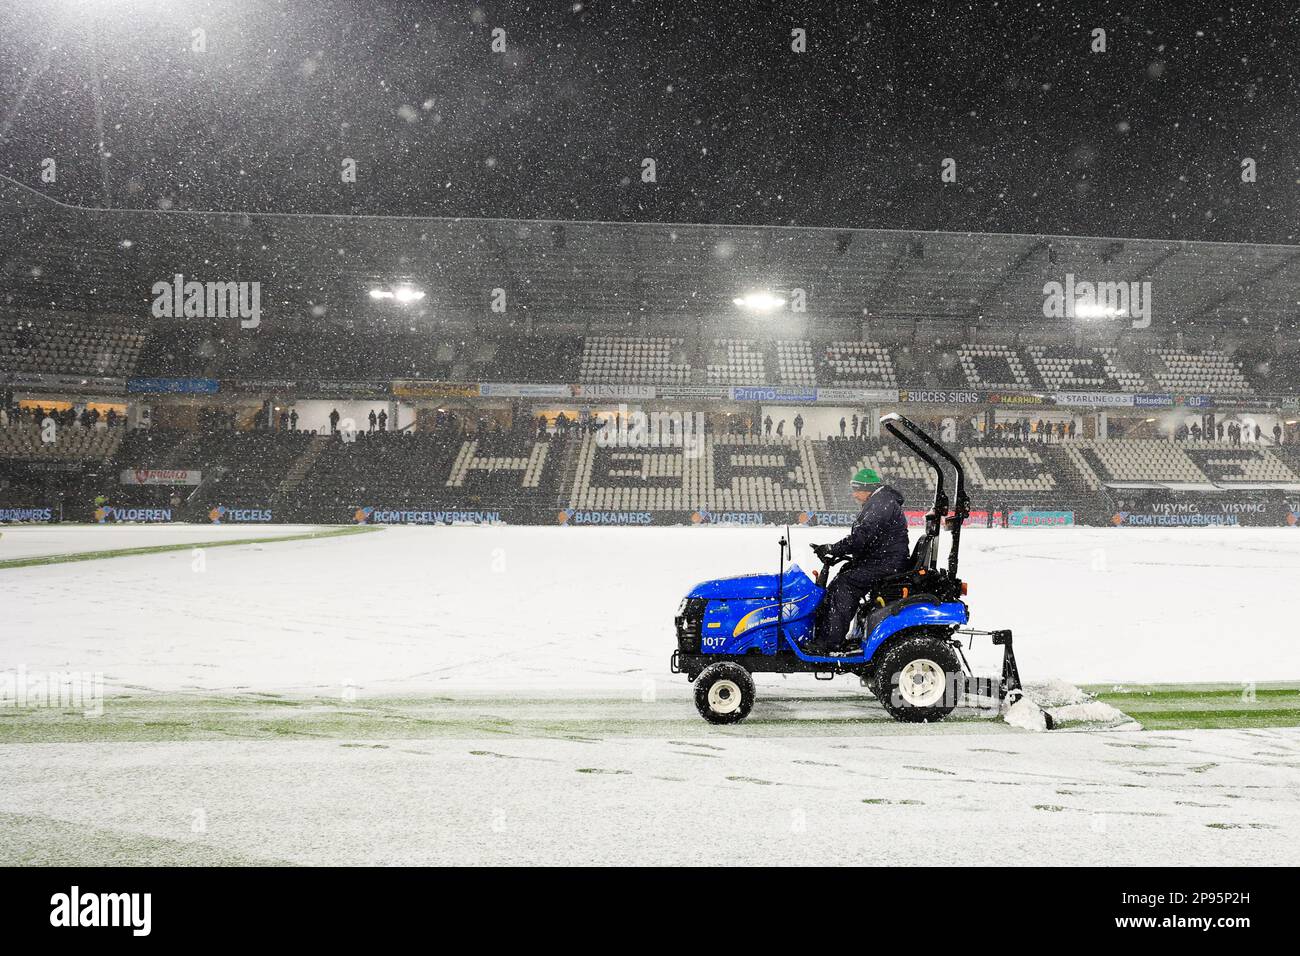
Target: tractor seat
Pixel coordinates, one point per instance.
(911, 577)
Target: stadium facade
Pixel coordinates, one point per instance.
(221, 367)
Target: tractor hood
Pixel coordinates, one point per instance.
(753, 586)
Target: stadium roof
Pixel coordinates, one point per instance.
(70, 257)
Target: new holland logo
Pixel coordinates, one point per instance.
(755, 617)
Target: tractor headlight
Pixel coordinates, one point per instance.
(689, 622)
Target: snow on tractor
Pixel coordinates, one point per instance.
(905, 641)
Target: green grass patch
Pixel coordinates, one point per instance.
(1209, 706)
(39, 560)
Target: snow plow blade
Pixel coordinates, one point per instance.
(1007, 690)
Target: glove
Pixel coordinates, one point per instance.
(820, 550)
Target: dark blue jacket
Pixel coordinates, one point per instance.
(877, 542)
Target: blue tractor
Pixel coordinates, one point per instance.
(905, 642)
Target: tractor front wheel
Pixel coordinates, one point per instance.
(919, 679)
(724, 693)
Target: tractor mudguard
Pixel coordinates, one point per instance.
(920, 614)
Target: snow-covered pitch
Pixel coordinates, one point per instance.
(536, 719)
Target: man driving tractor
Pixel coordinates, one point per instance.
(875, 548)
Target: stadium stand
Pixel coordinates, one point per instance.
(1206, 373)
(1006, 468)
(472, 459)
(1222, 463)
(794, 363)
(1154, 460)
(440, 470)
(858, 364)
(1140, 460)
(736, 362)
(631, 360)
(21, 441)
(68, 346)
(247, 468)
(527, 358)
(898, 468)
(993, 366)
(732, 473)
(1098, 369)
(158, 448)
(389, 470)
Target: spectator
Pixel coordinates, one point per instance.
(293, 420)
(334, 422)
(1258, 432)
(1070, 429)
(383, 420)
(780, 428)
(1277, 434)
(855, 426)
(842, 426)
(374, 420)
(798, 425)
(284, 419)
(767, 426)
(1219, 430)
(1196, 432)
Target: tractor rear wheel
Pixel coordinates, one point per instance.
(919, 679)
(724, 693)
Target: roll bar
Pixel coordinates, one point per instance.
(961, 508)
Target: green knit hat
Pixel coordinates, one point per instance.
(865, 479)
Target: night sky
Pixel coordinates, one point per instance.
(1143, 140)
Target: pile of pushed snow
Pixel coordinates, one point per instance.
(1026, 715)
(1074, 708)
